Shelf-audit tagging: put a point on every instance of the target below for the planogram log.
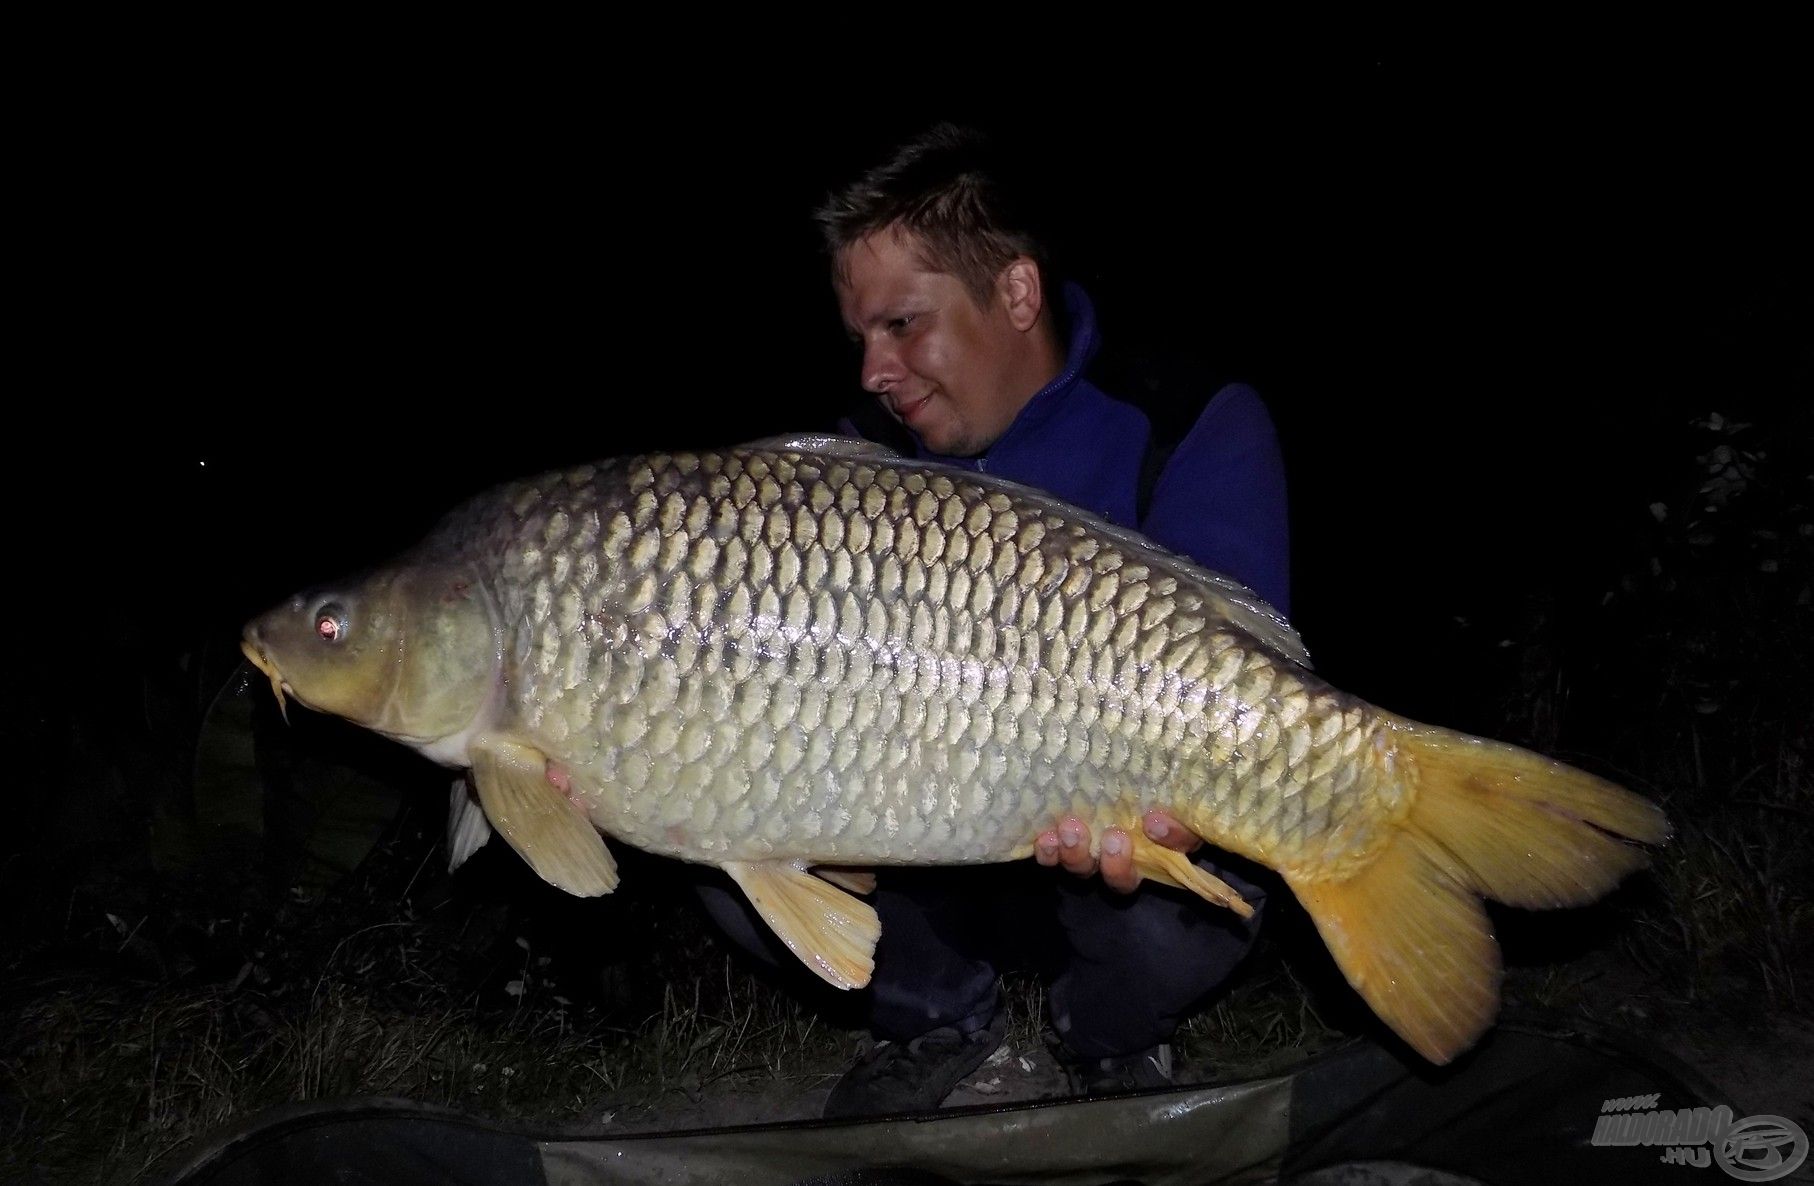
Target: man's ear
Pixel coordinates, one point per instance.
(1018, 288)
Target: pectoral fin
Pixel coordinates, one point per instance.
(545, 827)
(833, 933)
(1170, 867)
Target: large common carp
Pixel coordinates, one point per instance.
(813, 653)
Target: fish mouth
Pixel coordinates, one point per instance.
(256, 656)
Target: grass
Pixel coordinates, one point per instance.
(109, 1070)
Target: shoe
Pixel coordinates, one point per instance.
(914, 1076)
(1140, 1071)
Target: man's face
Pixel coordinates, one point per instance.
(953, 371)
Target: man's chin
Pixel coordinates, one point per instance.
(943, 443)
(954, 448)
(937, 434)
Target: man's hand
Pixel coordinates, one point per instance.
(1067, 846)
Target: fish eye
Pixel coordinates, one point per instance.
(330, 623)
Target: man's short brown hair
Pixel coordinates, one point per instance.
(950, 190)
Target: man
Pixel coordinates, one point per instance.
(970, 344)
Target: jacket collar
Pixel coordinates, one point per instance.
(1080, 324)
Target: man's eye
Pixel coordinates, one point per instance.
(898, 324)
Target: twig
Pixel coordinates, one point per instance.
(412, 877)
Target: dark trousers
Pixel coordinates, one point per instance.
(1124, 969)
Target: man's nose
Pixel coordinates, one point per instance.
(881, 368)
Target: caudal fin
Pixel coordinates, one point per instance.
(1486, 820)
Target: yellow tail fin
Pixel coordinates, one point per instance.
(1486, 820)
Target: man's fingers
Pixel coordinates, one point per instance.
(1067, 846)
(1074, 847)
(1118, 870)
(1163, 828)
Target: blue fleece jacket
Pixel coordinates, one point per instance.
(1219, 500)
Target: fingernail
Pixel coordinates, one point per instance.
(1158, 829)
(1114, 844)
(1070, 838)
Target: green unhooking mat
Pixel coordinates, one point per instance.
(1522, 1107)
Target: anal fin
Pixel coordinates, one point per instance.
(1167, 866)
(833, 933)
(547, 829)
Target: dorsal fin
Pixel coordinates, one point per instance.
(826, 445)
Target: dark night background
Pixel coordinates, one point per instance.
(281, 317)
